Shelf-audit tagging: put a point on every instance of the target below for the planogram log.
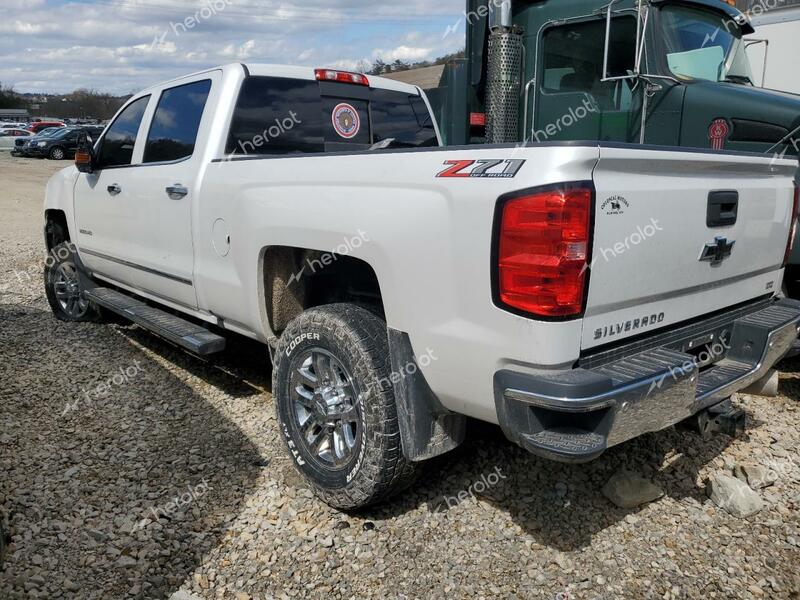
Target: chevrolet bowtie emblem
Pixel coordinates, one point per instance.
(717, 251)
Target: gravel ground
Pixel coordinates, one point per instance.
(89, 476)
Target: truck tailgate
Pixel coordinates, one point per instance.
(682, 234)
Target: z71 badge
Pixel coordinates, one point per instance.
(482, 168)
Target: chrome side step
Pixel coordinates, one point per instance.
(185, 334)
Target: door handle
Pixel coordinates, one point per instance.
(114, 189)
(177, 191)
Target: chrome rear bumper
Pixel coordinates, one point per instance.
(576, 415)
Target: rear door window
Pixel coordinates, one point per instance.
(173, 132)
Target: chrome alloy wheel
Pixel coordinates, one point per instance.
(326, 410)
(67, 288)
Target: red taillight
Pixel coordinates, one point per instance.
(793, 227)
(543, 251)
(341, 76)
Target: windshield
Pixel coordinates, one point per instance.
(704, 45)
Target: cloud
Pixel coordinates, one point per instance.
(124, 45)
(404, 53)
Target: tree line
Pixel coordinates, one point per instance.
(80, 103)
(381, 67)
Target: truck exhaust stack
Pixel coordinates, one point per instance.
(504, 77)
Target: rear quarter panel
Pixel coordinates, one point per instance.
(428, 239)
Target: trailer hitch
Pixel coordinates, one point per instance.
(720, 418)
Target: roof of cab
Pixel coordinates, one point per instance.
(309, 74)
(288, 71)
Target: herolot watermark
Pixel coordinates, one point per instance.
(567, 120)
(271, 133)
(757, 9)
(177, 503)
(210, 9)
(55, 256)
(326, 259)
(486, 482)
(116, 379)
(710, 354)
(406, 370)
(474, 16)
(638, 237)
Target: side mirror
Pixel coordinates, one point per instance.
(631, 71)
(84, 154)
(753, 56)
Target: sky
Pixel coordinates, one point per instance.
(120, 46)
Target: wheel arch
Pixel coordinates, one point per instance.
(56, 228)
(293, 279)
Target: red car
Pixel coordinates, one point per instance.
(39, 125)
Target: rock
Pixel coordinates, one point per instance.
(201, 580)
(126, 562)
(629, 490)
(756, 476)
(734, 496)
(562, 489)
(97, 535)
(70, 586)
(182, 595)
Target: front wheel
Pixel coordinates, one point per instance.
(336, 407)
(57, 153)
(63, 287)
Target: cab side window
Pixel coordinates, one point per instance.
(117, 146)
(573, 58)
(173, 132)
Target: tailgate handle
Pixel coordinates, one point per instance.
(723, 209)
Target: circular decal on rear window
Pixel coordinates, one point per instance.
(346, 121)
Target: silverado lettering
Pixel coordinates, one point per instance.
(628, 326)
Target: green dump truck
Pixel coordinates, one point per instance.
(658, 72)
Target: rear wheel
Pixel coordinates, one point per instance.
(63, 287)
(336, 406)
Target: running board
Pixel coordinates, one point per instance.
(185, 334)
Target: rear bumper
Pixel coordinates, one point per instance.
(576, 415)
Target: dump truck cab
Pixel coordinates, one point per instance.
(661, 72)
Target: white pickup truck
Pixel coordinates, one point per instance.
(576, 294)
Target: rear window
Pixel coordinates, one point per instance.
(279, 116)
(404, 118)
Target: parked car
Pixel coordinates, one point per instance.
(61, 144)
(40, 125)
(578, 294)
(13, 125)
(21, 144)
(8, 137)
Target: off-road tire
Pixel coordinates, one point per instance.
(358, 340)
(62, 258)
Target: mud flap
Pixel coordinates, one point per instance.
(427, 429)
